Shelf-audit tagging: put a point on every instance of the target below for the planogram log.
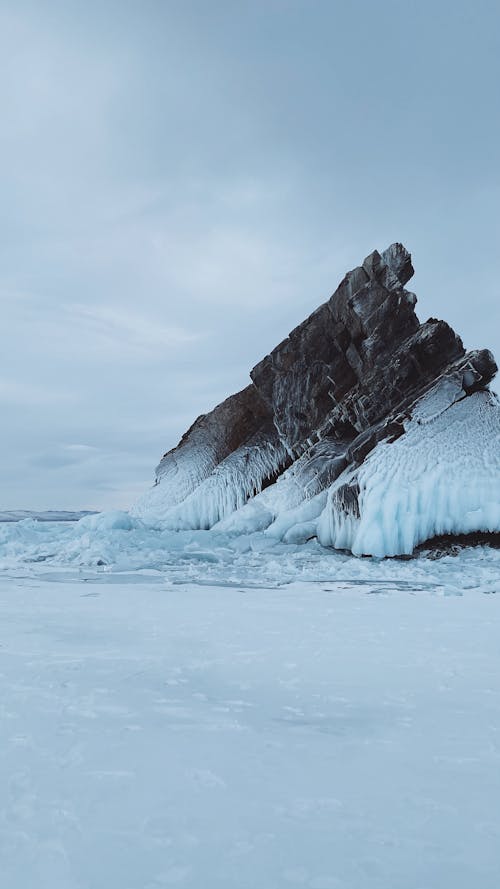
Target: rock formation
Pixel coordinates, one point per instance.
(358, 395)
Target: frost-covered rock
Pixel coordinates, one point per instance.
(441, 477)
(364, 427)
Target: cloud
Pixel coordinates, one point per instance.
(20, 394)
(65, 455)
(127, 329)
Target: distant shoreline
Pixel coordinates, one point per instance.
(47, 515)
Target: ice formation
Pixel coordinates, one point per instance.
(441, 477)
(364, 429)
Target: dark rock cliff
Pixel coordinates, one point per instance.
(342, 381)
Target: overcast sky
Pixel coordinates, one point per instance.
(183, 182)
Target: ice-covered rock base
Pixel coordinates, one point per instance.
(441, 477)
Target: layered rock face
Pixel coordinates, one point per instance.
(350, 388)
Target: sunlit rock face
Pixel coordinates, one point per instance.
(364, 428)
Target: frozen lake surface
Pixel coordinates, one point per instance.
(217, 713)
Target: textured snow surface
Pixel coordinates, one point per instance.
(442, 476)
(217, 711)
(156, 732)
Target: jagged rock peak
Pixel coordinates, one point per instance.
(349, 384)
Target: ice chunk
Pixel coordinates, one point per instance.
(109, 521)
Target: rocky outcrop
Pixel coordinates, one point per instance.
(346, 380)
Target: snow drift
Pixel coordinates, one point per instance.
(364, 428)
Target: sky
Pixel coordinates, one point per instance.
(183, 181)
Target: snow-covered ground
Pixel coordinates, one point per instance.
(217, 712)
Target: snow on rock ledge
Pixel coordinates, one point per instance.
(364, 427)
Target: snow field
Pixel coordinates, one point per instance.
(338, 734)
